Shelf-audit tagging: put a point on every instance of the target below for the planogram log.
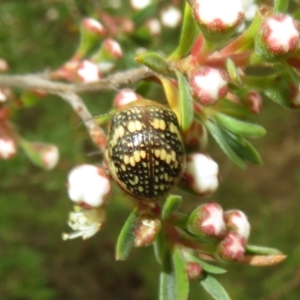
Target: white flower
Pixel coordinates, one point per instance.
(85, 223)
(93, 26)
(88, 185)
(124, 97)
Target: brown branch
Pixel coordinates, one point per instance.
(96, 133)
(41, 82)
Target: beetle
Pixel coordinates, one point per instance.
(144, 153)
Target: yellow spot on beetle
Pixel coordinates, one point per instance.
(143, 154)
(126, 159)
(137, 156)
(163, 154)
(162, 124)
(131, 126)
(132, 161)
(157, 152)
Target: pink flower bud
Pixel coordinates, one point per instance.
(170, 16)
(85, 222)
(88, 186)
(201, 174)
(93, 26)
(139, 4)
(208, 85)
(254, 100)
(50, 156)
(146, 230)
(88, 71)
(195, 136)
(154, 26)
(231, 248)
(236, 221)
(207, 221)
(124, 97)
(8, 148)
(280, 34)
(3, 65)
(113, 48)
(218, 16)
(194, 271)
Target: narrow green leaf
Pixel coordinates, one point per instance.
(294, 75)
(222, 141)
(182, 282)
(188, 34)
(159, 247)
(185, 102)
(277, 95)
(214, 288)
(243, 148)
(153, 61)
(207, 267)
(281, 6)
(260, 250)
(126, 237)
(240, 127)
(167, 282)
(172, 203)
(233, 73)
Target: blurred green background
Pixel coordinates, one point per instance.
(36, 264)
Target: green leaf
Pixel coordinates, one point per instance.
(233, 73)
(144, 14)
(207, 267)
(126, 237)
(188, 34)
(278, 95)
(281, 6)
(219, 137)
(260, 250)
(240, 127)
(159, 247)
(167, 282)
(243, 148)
(153, 61)
(185, 102)
(172, 203)
(294, 75)
(181, 278)
(174, 283)
(214, 288)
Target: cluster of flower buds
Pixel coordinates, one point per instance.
(201, 174)
(226, 232)
(89, 188)
(88, 67)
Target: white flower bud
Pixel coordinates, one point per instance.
(8, 148)
(236, 221)
(139, 4)
(50, 156)
(170, 16)
(216, 16)
(207, 220)
(89, 186)
(232, 247)
(113, 48)
(280, 34)
(93, 26)
(201, 174)
(154, 26)
(88, 71)
(124, 97)
(208, 85)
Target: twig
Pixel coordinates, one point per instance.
(97, 134)
(39, 82)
